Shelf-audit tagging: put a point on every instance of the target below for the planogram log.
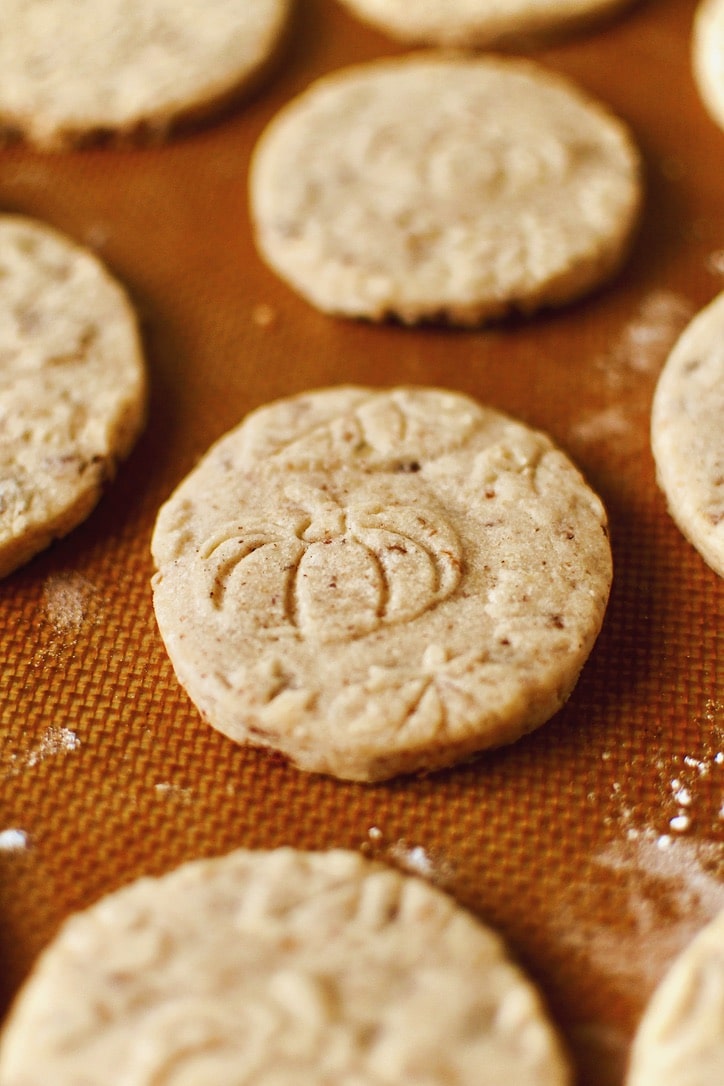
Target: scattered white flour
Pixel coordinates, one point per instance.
(173, 791)
(13, 840)
(53, 742)
(647, 339)
(263, 315)
(640, 351)
(661, 890)
(69, 600)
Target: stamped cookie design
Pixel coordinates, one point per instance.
(679, 1040)
(686, 434)
(279, 967)
(74, 70)
(401, 188)
(474, 23)
(72, 385)
(378, 582)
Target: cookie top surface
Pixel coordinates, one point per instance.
(376, 582)
(279, 968)
(72, 385)
(475, 23)
(71, 69)
(686, 433)
(401, 187)
(679, 1040)
(707, 52)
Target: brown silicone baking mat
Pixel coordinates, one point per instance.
(596, 845)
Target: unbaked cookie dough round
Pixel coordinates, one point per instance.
(680, 1040)
(431, 187)
(72, 385)
(71, 70)
(708, 56)
(375, 582)
(686, 433)
(275, 969)
(475, 23)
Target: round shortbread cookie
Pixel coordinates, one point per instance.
(475, 23)
(686, 433)
(708, 56)
(680, 1040)
(444, 187)
(274, 969)
(72, 385)
(375, 582)
(71, 70)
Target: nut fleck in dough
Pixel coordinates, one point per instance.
(708, 56)
(279, 968)
(73, 69)
(479, 22)
(72, 385)
(444, 187)
(686, 433)
(680, 1040)
(379, 582)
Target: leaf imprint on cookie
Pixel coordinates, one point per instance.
(340, 569)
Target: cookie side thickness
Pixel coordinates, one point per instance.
(399, 188)
(279, 966)
(79, 70)
(478, 23)
(679, 1039)
(380, 582)
(73, 386)
(686, 436)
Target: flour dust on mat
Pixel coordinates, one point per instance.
(475, 23)
(283, 967)
(73, 70)
(686, 433)
(401, 188)
(72, 385)
(375, 582)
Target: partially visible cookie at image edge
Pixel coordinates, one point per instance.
(73, 385)
(686, 432)
(374, 582)
(476, 23)
(707, 55)
(679, 1040)
(449, 187)
(75, 70)
(281, 966)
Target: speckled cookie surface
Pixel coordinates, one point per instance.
(72, 385)
(377, 582)
(707, 51)
(279, 968)
(479, 22)
(680, 1039)
(686, 433)
(402, 188)
(73, 69)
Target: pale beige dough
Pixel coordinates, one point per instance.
(708, 56)
(480, 22)
(402, 187)
(276, 969)
(686, 433)
(680, 1040)
(73, 69)
(375, 582)
(72, 385)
